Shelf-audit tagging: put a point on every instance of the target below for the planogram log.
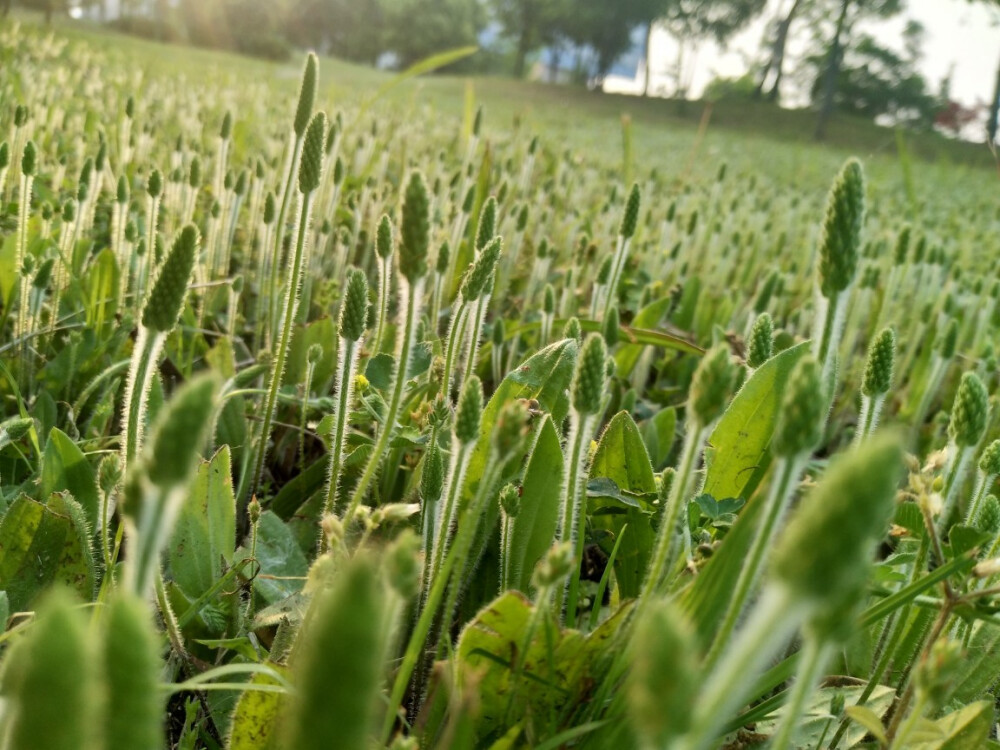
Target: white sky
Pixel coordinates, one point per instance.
(958, 33)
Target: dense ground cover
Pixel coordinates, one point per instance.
(344, 410)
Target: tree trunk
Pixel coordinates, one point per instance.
(649, 68)
(523, 42)
(992, 122)
(778, 61)
(831, 73)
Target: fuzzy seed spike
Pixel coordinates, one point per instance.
(180, 432)
(384, 240)
(630, 219)
(354, 308)
(825, 553)
(487, 223)
(133, 717)
(879, 367)
(307, 95)
(47, 679)
(415, 229)
(469, 412)
(342, 636)
(311, 166)
(29, 159)
(840, 237)
(432, 475)
(476, 282)
(969, 412)
(154, 184)
(989, 461)
(166, 300)
(590, 378)
(761, 344)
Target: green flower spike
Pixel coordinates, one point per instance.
(415, 230)
(354, 308)
(800, 421)
(590, 379)
(969, 411)
(630, 219)
(311, 166)
(761, 344)
(307, 94)
(878, 370)
(840, 238)
(469, 412)
(166, 300)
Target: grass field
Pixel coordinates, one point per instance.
(346, 409)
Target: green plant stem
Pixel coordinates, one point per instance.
(983, 482)
(463, 546)
(573, 510)
(812, 662)
(954, 480)
(828, 332)
(787, 473)
(775, 617)
(455, 331)
(404, 346)
(281, 355)
(304, 412)
(415, 646)
(474, 334)
(344, 387)
(145, 359)
(665, 555)
(384, 290)
(621, 256)
(279, 230)
(445, 517)
(871, 410)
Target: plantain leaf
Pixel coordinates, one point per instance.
(204, 538)
(66, 469)
(534, 527)
(41, 545)
(256, 715)
(621, 457)
(555, 672)
(737, 456)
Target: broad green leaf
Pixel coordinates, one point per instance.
(557, 665)
(705, 601)
(868, 720)
(322, 332)
(659, 433)
(297, 491)
(981, 663)
(204, 536)
(255, 719)
(41, 545)
(621, 457)
(817, 721)
(737, 456)
(648, 317)
(65, 468)
(534, 527)
(545, 377)
(100, 287)
(283, 566)
(966, 728)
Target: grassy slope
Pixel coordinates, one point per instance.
(777, 143)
